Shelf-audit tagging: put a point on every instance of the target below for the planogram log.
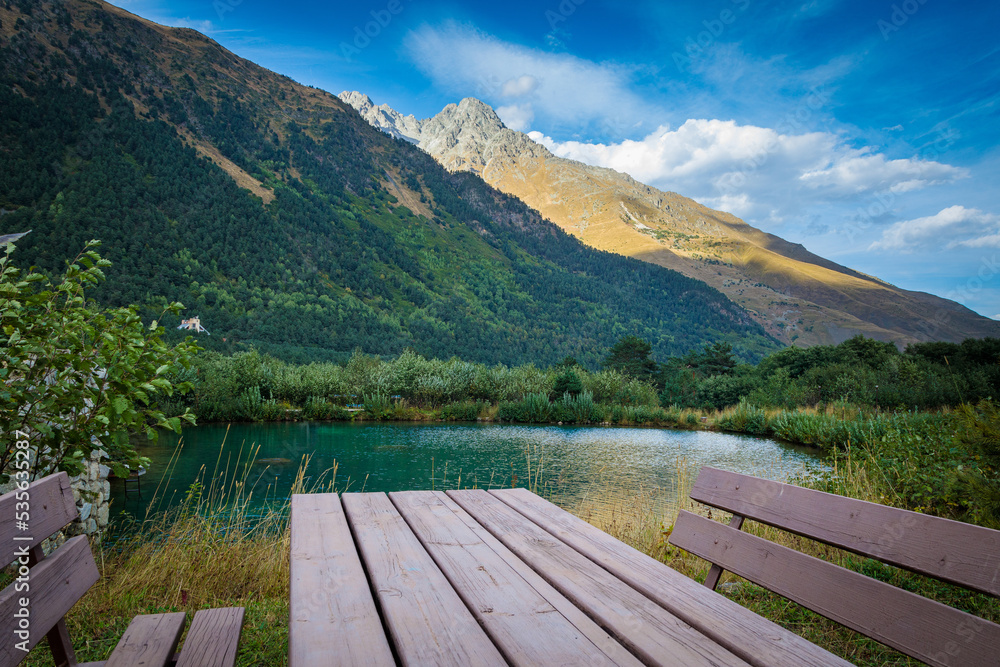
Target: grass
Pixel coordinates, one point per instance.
(212, 551)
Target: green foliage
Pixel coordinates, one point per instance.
(378, 406)
(631, 356)
(579, 409)
(979, 435)
(567, 382)
(463, 411)
(533, 408)
(746, 418)
(319, 408)
(77, 377)
(859, 371)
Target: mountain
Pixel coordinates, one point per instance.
(797, 296)
(285, 221)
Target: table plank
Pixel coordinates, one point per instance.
(428, 622)
(655, 635)
(524, 626)
(752, 637)
(332, 617)
(584, 623)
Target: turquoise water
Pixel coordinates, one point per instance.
(591, 468)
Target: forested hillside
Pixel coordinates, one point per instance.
(282, 219)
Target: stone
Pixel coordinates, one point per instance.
(102, 515)
(90, 527)
(104, 471)
(85, 511)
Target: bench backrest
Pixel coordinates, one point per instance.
(952, 551)
(34, 604)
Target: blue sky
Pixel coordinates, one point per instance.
(867, 131)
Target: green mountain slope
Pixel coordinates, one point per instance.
(284, 220)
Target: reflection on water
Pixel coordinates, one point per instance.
(598, 468)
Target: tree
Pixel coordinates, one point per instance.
(715, 359)
(630, 356)
(77, 377)
(567, 382)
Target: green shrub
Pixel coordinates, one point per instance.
(377, 406)
(745, 418)
(567, 382)
(533, 408)
(463, 411)
(318, 408)
(579, 409)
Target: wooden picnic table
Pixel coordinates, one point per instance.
(501, 577)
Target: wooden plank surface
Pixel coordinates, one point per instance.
(656, 636)
(600, 637)
(213, 638)
(55, 585)
(149, 641)
(949, 550)
(526, 628)
(753, 638)
(333, 619)
(428, 622)
(49, 506)
(925, 629)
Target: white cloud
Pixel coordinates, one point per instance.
(558, 86)
(516, 116)
(520, 86)
(952, 227)
(756, 172)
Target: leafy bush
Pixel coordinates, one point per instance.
(467, 411)
(318, 408)
(745, 418)
(377, 406)
(567, 382)
(77, 377)
(579, 409)
(533, 408)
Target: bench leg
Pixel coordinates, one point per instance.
(213, 638)
(712, 578)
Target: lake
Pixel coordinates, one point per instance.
(591, 470)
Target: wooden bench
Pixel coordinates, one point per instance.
(46, 588)
(955, 552)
